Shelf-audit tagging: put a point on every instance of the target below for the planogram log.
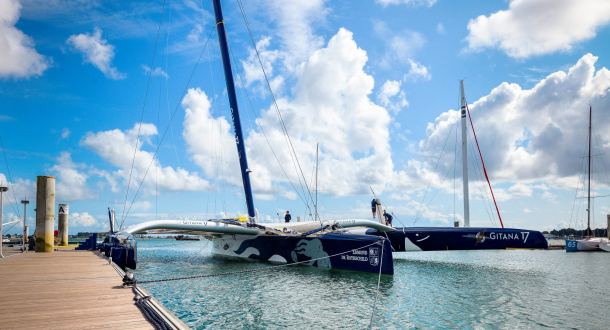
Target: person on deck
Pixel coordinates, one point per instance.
(374, 204)
(287, 217)
(388, 219)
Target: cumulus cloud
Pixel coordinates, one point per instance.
(391, 97)
(18, 57)
(71, 184)
(534, 135)
(521, 190)
(83, 219)
(417, 72)
(331, 106)
(414, 3)
(117, 148)
(529, 28)
(96, 51)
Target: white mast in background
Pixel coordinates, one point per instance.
(465, 156)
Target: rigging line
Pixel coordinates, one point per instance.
(484, 198)
(602, 157)
(437, 190)
(167, 79)
(170, 121)
(377, 291)
(455, 155)
(265, 135)
(582, 163)
(10, 179)
(484, 169)
(434, 172)
(478, 171)
(143, 107)
(287, 136)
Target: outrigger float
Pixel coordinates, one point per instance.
(355, 244)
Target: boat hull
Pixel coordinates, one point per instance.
(462, 238)
(605, 247)
(592, 244)
(291, 249)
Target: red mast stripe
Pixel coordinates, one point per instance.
(484, 169)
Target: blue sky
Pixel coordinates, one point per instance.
(374, 82)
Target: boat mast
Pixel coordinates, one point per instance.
(239, 137)
(589, 189)
(465, 157)
(317, 150)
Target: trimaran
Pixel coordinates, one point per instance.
(354, 244)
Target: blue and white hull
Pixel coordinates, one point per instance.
(591, 244)
(337, 250)
(462, 238)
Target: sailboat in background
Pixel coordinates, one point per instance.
(591, 243)
(464, 238)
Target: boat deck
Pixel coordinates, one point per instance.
(66, 289)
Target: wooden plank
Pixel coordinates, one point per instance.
(65, 289)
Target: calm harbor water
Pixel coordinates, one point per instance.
(446, 289)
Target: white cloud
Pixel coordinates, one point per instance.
(156, 72)
(331, 106)
(117, 147)
(529, 28)
(526, 210)
(391, 90)
(71, 183)
(521, 190)
(83, 219)
(416, 72)
(440, 28)
(536, 135)
(400, 47)
(18, 58)
(65, 133)
(549, 196)
(414, 3)
(96, 51)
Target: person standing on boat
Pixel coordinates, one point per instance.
(388, 219)
(374, 204)
(287, 217)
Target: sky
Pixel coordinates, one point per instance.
(125, 103)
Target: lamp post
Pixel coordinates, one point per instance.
(2, 191)
(25, 202)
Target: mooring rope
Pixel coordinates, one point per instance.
(258, 269)
(377, 292)
(149, 313)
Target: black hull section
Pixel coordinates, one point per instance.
(364, 252)
(461, 238)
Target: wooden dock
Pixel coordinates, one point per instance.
(66, 289)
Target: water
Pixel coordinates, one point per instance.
(446, 289)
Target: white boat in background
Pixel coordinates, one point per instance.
(591, 243)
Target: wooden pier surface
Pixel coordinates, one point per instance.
(65, 290)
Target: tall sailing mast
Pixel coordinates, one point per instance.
(465, 157)
(589, 188)
(239, 137)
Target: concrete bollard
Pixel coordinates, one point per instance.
(45, 213)
(62, 224)
(456, 223)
